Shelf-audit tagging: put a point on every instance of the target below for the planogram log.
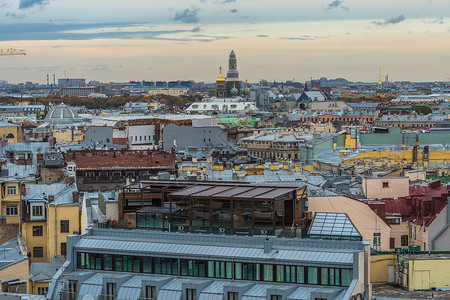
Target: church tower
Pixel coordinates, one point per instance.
(380, 84)
(233, 83)
(220, 85)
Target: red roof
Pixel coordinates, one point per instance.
(421, 206)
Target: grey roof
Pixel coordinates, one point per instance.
(45, 271)
(62, 192)
(11, 253)
(91, 283)
(62, 114)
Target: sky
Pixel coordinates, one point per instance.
(122, 40)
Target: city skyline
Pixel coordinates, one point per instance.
(273, 40)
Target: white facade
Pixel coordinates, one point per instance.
(221, 107)
(141, 135)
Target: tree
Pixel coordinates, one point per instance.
(422, 109)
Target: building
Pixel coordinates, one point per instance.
(220, 208)
(11, 133)
(233, 84)
(413, 121)
(144, 264)
(176, 92)
(50, 212)
(14, 263)
(215, 105)
(71, 82)
(372, 228)
(102, 170)
(181, 137)
(297, 145)
(83, 91)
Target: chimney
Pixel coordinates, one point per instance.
(268, 245)
(51, 198)
(75, 196)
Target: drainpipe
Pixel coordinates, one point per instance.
(56, 232)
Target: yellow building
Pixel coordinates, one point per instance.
(67, 135)
(10, 199)
(372, 228)
(52, 213)
(11, 133)
(14, 266)
(423, 271)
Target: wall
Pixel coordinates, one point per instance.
(366, 221)
(186, 136)
(379, 266)
(425, 274)
(10, 199)
(99, 135)
(47, 241)
(145, 134)
(17, 270)
(443, 240)
(7, 231)
(374, 188)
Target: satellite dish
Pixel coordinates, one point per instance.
(88, 297)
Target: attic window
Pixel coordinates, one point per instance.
(385, 184)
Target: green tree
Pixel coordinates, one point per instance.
(422, 109)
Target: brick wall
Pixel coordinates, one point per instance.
(8, 231)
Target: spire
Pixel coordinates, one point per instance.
(380, 84)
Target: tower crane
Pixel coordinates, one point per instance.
(11, 51)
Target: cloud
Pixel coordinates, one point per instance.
(390, 21)
(189, 15)
(262, 35)
(228, 1)
(14, 15)
(436, 21)
(97, 68)
(24, 4)
(305, 37)
(83, 31)
(336, 4)
(233, 10)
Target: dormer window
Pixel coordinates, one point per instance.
(11, 191)
(191, 294)
(37, 211)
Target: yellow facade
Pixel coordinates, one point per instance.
(67, 136)
(403, 156)
(12, 133)
(10, 198)
(380, 266)
(17, 270)
(424, 273)
(52, 235)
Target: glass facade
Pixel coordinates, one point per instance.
(230, 216)
(216, 269)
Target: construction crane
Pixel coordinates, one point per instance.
(12, 51)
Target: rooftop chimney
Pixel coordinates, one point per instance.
(268, 245)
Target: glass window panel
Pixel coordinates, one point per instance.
(268, 272)
(347, 276)
(211, 268)
(300, 274)
(280, 273)
(324, 276)
(238, 270)
(229, 270)
(147, 265)
(312, 275)
(108, 262)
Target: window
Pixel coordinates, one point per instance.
(73, 288)
(129, 174)
(116, 175)
(385, 184)
(37, 211)
(392, 243)
(275, 297)
(90, 176)
(42, 290)
(415, 232)
(38, 252)
(191, 294)
(424, 246)
(110, 291)
(150, 292)
(410, 231)
(38, 231)
(232, 296)
(64, 249)
(64, 226)
(377, 239)
(404, 240)
(11, 210)
(11, 191)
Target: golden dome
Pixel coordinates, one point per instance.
(220, 78)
